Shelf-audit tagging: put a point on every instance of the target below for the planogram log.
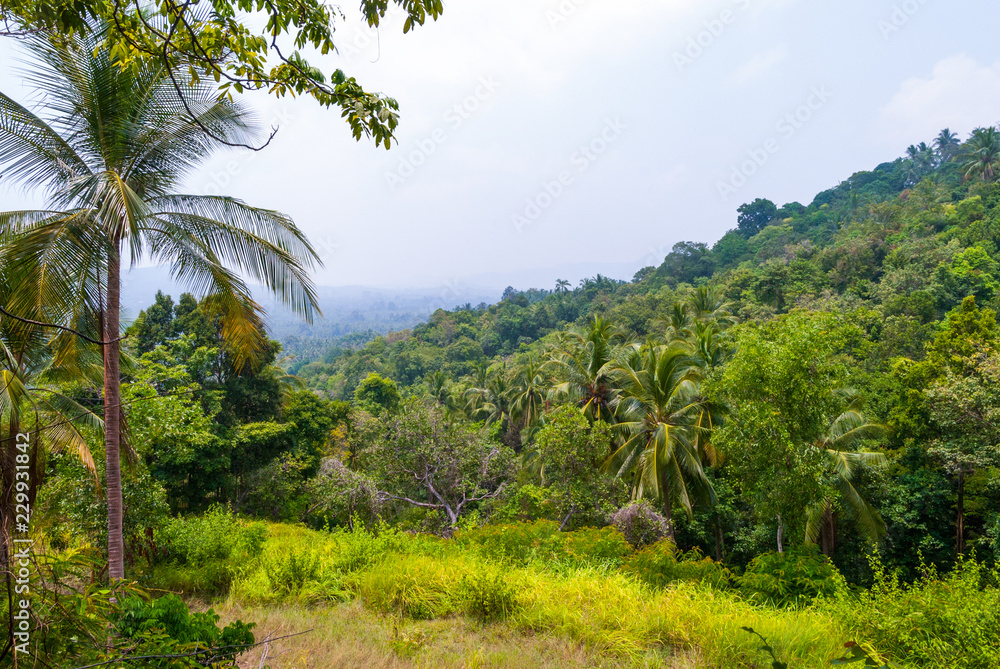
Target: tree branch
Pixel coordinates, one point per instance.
(79, 334)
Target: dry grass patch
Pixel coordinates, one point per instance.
(349, 636)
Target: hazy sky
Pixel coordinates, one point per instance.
(541, 134)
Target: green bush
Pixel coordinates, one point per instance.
(640, 523)
(199, 554)
(596, 545)
(662, 564)
(416, 586)
(165, 626)
(795, 577)
(542, 540)
(951, 621)
(488, 595)
(216, 535)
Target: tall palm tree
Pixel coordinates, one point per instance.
(582, 367)
(947, 144)
(529, 391)
(846, 431)
(115, 144)
(657, 415)
(981, 155)
(562, 286)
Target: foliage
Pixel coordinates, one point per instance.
(938, 621)
(343, 497)
(489, 595)
(206, 549)
(377, 394)
(795, 577)
(541, 540)
(423, 459)
(240, 46)
(641, 525)
(165, 626)
(661, 564)
(568, 457)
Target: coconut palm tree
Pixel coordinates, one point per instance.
(531, 385)
(562, 286)
(947, 144)
(844, 465)
(114, 146)
(657, 416)
(582, 367)
(981, 154)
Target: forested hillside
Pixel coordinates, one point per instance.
(795, 428)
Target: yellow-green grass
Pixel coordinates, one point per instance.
(409, 606)
(349, 636)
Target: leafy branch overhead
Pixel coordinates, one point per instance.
(214, 41)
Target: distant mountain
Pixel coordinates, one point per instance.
(353, 315)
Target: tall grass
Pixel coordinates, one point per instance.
(606, 610)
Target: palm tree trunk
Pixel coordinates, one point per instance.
(781, 546)
(112, 417)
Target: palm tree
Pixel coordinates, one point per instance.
(657, 417)
(844, 465)
(709, 304)
(530, 387)
(582, 367)
(947, 144)
(562, 286)
(117, 143)
(981, 155)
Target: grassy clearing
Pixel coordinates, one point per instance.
(398, 600)
(349, 636)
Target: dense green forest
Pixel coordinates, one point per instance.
(783, 449)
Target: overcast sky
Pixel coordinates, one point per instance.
(597, 133)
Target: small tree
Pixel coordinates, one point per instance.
(570, 452)
(755, 216)
(376, 394)
(424, 459)
(966, 409)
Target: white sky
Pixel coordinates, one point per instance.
(612, 74)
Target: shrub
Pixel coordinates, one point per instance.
(165, 626)
(517, 542)
(949, 621)
(199, 554)
(542, 540)
(596, 545)
(216, 535)
(640, 524)
(311, 566)
(797, 576)
(662, 564)
(488, 595)
(416, 586)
